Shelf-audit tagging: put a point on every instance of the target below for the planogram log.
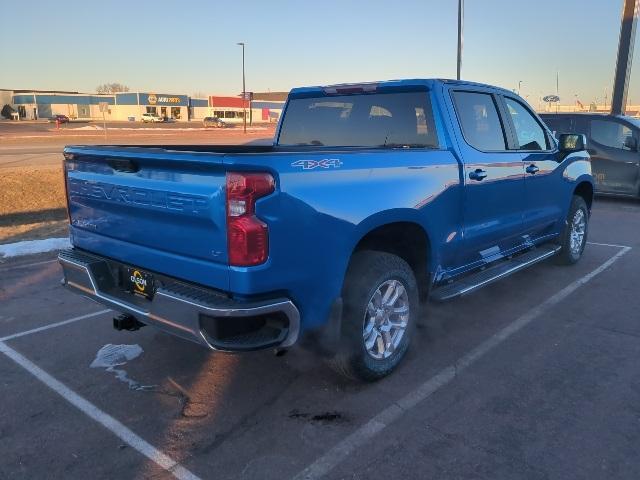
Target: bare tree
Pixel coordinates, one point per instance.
(198, 94)
(112, 88)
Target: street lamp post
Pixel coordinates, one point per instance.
(244, 92)
(460, 26)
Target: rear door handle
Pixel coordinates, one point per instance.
(532, 169)
(478, 174)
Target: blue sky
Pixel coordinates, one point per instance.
(190, 46)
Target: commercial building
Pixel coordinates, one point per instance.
(35, 105)
(130, 106)
(258, 110)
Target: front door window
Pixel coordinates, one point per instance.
(529, 132)
(610, 134)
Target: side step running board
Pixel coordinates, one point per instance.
(478, 280)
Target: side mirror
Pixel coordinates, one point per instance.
(572, 142)
(631, 143)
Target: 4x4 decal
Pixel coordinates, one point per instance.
(324, 163)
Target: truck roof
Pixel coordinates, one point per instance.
(368, 86)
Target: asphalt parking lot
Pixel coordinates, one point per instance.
(535, 377)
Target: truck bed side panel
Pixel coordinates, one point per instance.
(319, 215)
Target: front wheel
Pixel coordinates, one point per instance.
(574, 235)
(380, 310)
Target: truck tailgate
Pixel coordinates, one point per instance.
(154, 208)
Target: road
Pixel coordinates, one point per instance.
(28, 144)
(534, 377)
(34, 127)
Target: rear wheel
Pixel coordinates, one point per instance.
(574, 235)
(380, 308)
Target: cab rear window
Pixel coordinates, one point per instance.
(394, 119)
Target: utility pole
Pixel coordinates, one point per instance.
(460, 25)
(557, 89)
(244, 92)
(630, 11)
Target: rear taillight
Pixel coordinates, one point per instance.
(247, 236)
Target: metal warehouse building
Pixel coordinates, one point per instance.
(33, 105)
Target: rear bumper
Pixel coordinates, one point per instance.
(192, 312)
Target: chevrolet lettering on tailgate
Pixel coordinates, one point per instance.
(196, 204)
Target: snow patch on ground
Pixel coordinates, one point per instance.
(111, 356)
(29, 247)
(89, 127)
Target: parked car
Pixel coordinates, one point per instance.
(59, 118)
(372, 198)
(613, 145)
(213, 122)
(151, 117)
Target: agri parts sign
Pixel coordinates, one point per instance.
(163, 99)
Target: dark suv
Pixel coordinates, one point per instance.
(612, 142)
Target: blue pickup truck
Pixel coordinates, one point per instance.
(372, 199)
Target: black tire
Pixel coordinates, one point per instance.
(567, 254)
(368, 272)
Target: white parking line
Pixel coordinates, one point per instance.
(107, 421)
(608, 245)
(366, 432)
(53, 325)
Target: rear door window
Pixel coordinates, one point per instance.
(479, 120)
(393, 119)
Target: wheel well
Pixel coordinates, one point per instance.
(585, 190)
(407, 240)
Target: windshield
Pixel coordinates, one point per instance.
(399, 119)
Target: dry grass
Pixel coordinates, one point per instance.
(31, 189)
(31, 203)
